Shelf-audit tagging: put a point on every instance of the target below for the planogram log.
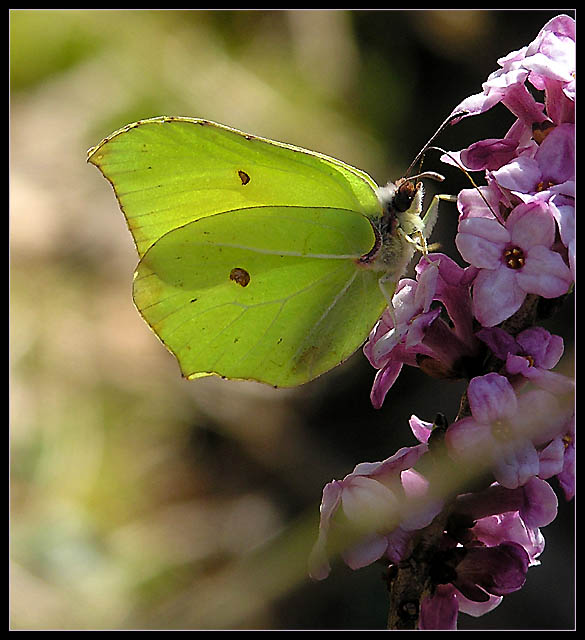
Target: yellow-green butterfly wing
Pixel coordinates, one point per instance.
(250, 249)
(169, 171)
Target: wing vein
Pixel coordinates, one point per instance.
(280, 301)
(325, 313)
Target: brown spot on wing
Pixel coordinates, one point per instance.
(244, 177)
(240, 276)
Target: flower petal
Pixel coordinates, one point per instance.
(471, 203)
(516, 464)
(521, 174)
(496, 295)
(369, 505)
(467, 437)
(531, 224)
(544, 273)
(556, 155)
(489, 154)
(552, 459)
(481, 241)
(540, 503)
(383, 381)
(420, 428)
(366, 552)
(544, 347)
(477, 609)
(491, 398)
(439, 611)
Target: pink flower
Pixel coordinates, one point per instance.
(535, 503)
(558, 459)
(472, 580)
(550, 58)
(563, 210)
(549, 170)
(420, 335)
(513, 260)
(548, 63)
(535, 161)
(369, 513)
(530, 354)
(489, 154)
(411, 304)
(504, 430)
(509, 526)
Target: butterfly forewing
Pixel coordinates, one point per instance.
(167, 172)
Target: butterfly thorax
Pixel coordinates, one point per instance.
(401, 206)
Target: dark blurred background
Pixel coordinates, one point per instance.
(140, 500)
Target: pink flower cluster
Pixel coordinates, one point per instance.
(517, 235)
(519, 230)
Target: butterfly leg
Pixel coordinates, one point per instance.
(427, 223)
(417, 240)
(430, 218)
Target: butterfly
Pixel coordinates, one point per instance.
(259, 260)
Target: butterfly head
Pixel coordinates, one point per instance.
(399, 197)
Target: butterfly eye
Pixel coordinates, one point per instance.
(397, 197)
(404, 196)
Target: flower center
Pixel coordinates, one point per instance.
(540, 130)
(501, 431)
(529, 359)
(514, 257)
(543, 185)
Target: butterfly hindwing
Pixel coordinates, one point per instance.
(273, 294)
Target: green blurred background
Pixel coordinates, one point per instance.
(140, 500)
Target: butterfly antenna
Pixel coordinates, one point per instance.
(427, 146)
(432, 175)
(458, 164)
